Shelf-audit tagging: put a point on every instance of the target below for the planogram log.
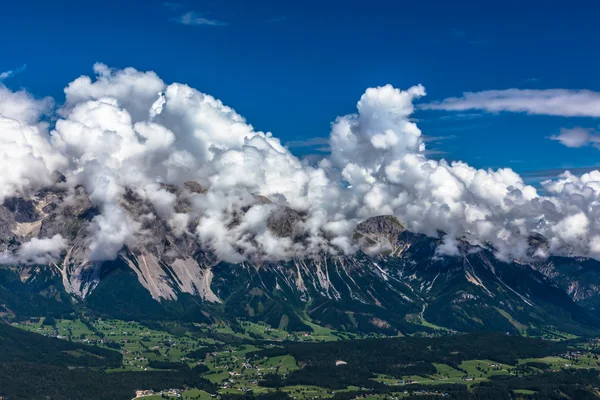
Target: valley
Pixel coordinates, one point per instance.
(172, 321)
(249, 359)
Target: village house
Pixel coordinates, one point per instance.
(143, 393)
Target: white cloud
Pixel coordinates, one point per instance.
(577, 137)
(196, 19)
(559, 102)
(27, 158)
(23, 107)
(42, 251)
(110, 231)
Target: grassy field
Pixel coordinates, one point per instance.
(580, 361)
(524, 391)
(472, 372)
(197, 394)
(484, 368)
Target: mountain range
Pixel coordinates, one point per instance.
(396, 284)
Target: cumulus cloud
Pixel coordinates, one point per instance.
(126, 133)
(577, 137)
(559, 102)
(22, 106)
(27, 158)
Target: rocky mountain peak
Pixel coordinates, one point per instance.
(379, 233)
(283, 221)
(194, 187)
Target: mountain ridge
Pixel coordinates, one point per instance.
(397, 282)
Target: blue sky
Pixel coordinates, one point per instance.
(292, 67)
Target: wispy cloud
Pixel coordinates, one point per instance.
(193, 18)
(310, 142)
(435, 140)
(459, 116)
(558, 102)
(435, 153)
(320, 144)
(428, 139)
(551, 173)
(7, 74)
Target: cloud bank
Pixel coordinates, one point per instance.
(127, 132)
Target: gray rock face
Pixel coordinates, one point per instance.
(7, 226)
(165, 262)
(378, 232)
(263, 200)
(68, 217)
(537, 243)
(283, 222)
(23, 210)
(194, 187)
